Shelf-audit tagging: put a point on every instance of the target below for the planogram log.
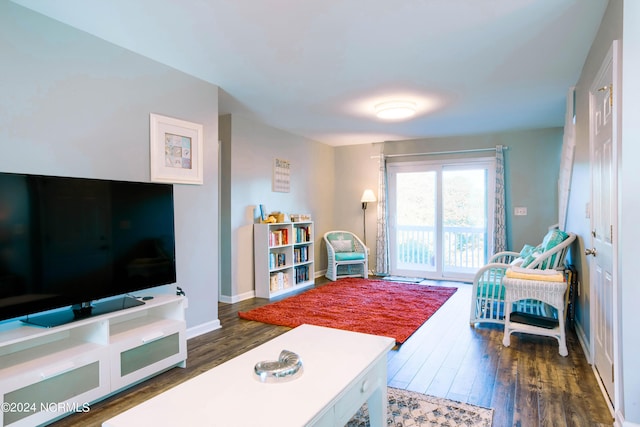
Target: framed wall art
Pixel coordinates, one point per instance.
(176, 150)
(281, 175)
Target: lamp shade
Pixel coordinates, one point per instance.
(368, 196)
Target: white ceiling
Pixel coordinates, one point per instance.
(316, 68)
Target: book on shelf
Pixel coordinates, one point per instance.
(279, 237)
(303, 234)
(279, 281)
(301, 254)
(276, 281)
(302, 274)
(285, 281)
(277, 259)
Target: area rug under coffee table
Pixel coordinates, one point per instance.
(374, 307)
(411, 409)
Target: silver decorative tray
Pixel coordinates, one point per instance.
(288, 367)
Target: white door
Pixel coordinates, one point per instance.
(603, 156)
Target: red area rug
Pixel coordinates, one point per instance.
(374, 307)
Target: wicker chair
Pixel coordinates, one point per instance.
(346, 255)
(548, 294)
(487, 295)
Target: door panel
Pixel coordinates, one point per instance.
(603, 202)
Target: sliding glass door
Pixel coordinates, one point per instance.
(439, 215)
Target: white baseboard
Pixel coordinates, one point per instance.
(620, 422)
(603, 391)
(582, 339)
(236, 298)
(203, 328)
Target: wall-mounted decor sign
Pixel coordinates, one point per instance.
(176, 150)
(281, 176)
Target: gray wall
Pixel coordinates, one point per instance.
(531, 174)
(356, 170)
(579, 196)
(625, 27)
(328, 183)
(74, 105)
(251, 148)
(629, 206)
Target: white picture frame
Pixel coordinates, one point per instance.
(176, 150)
(281, 176)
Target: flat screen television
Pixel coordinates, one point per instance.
(69, 242)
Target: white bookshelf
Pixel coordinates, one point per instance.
(46, 373)
(283, 256)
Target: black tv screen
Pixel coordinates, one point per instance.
(67, 241)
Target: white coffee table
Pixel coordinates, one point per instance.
(342, 370)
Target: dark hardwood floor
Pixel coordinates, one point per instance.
(527, 384)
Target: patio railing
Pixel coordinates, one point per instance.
(464, 248)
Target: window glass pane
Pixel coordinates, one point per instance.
(464, 219)
(415, 224)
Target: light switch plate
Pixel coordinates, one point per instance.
(520, 211)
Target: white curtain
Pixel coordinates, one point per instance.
(382, 239)
(499, 218)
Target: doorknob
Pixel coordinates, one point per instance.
(588, 252)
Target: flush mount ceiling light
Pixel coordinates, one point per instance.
(395, 110)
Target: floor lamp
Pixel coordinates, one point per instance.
(367, 197)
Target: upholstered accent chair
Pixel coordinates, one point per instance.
(487, 295)
(347, 256)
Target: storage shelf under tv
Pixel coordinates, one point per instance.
(86, 360)
(292, 241)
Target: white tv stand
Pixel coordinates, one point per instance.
(46, 373)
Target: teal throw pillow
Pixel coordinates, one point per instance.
(530, 258)
(553, 239)
(526, 251)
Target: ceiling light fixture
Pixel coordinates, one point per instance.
(395, 110)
